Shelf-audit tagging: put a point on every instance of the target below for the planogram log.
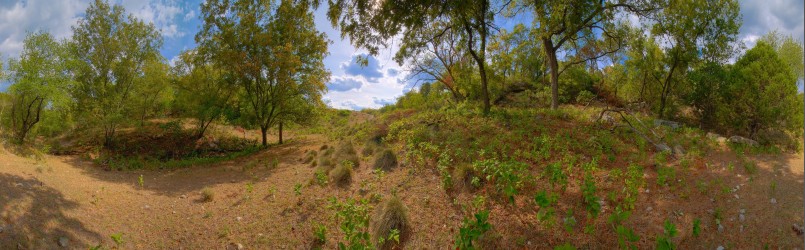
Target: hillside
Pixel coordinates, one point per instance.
(738, 197)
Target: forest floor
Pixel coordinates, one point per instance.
(260, 204)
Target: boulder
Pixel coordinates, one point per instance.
(663, 148)
(716, 137)
(743, 140)
(679, 152)
(670, 124)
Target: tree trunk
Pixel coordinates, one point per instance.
(554, 65)
(280, 132)
(263, 131)
(666, 90)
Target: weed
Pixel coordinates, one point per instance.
(665, 175)
(566, 246)
(379, 173)
(697, 227)
(354, 219)
(508, 176)
(391, 220)
(633, 182)
(730, 166)
(141, 181)
(321, 176)
(207, 195)
(117, 238)
(545, 201)
(320, 233)
(750, 167)
(664, 241)
(588, 193)
(297, 189)
(310, 156)
(207, 215)
(569, 221)
(472, 230)
(627, 239)
(556, 175)
(249, 187)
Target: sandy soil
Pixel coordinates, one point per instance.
(67, 197)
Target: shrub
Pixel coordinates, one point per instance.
(472, 230)
(309, 157)
(391, 219)
(342, 175)
(368, 149)
(207, 195)
(353, 217)
(321, 176)
(386, 160)
(508, 176)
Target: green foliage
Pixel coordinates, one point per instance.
(507, 176)
(320, 233)
(697, 228)
(762, 97)
(117, 238)
(633, 182)
(566, 246)
(665, 175)
(321, 176)
(234, 36)
(664, 241)
(353, 217)
(588, 194)
(472, 230)
(556, 175)
(297, 189)
(545, 201)
(627, 239)
(140, 181)
(110, 51)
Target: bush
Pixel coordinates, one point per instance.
(386, 160)
(368, 150)
(309, 157)
(391, 223)
(342, 175)
(207, 195)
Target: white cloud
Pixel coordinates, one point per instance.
(163, 14)
(16, 19)
(189, 15)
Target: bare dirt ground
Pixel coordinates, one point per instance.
(67, 197)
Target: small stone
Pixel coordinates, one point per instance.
(239, 218)
(773, 201)
(648, 191)
(742, 211)
(720, 228)
(736, 196)
(1, 229)
(174, 212)
(63, 241)
(712, 200)
(183, 197)
(648, 209)
(720, 248)
(146, 207)
(741, 217)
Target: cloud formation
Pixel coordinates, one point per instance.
(342, 83)
(371, 72)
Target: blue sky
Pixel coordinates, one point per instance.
(350, 86)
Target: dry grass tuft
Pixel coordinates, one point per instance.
(207, 195)
(393, 215)
(387, 160)
(342, 175)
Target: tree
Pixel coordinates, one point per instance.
(763, 94)
(111, 52)
(152, 93)
(695, 31)
(39, 82)
(788, 49)
(202, 91)
(437, 60)
(370, 25)
(568, 26)
(273, 52)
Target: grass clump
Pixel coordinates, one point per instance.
(346, 152)
(207, 195)
(309, 156)
(386, 161)
(391, 221)
(466, 178)
(342, 175)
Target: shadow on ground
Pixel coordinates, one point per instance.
(33, 216)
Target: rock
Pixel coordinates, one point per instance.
(670, 124)
(720, 227)
(742, 211)
(679, 151)
(736, 196)
(720, 248)
(63, 241)
(798, 229)
(741, 217)
(773, 201)
(663, 148)
(239, 218)
(234, 246)
(743, 140)
(183, 197)
(716, 137)
(648, 209)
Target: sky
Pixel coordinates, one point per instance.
(351, 86)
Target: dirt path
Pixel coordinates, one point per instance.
(66, 197)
